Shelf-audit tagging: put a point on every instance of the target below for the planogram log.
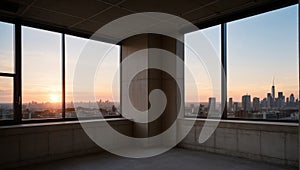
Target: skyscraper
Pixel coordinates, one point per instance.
(256, 104)
(212, 104)
(280, 94)
(280, 100)
(235, 106)
(292, 98)
(273, 90)
(230, 105)
(246, 103)
(269, 100)
(264, 103)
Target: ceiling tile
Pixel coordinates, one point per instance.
(223, 6)
(21, 2)
(88, 26)
(50, 17)
(79, 8)
(110, 15)
(198, 14)
(111, 1)
(66, 13)
(178, 7)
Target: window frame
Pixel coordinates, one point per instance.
(17, 75)
(14, 76)
(224, 53)
(224, 63)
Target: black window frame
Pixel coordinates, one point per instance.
(17, 76)
(224, 34)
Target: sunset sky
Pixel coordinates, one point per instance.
(259, 48)
(42, 68)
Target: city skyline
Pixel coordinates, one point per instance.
(271, 92)
(275, 105)
(259, 47)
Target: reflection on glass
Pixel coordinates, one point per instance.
(200, 47)
(79, 47)
(6, 98)
(6, 48)
(41, 81)
(263, 66)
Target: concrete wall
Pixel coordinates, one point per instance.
(264, 141)
(147, 80)
(139, 85)
(33, 143)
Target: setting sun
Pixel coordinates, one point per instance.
(54, 98)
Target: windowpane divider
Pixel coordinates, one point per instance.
(224, 69)
(17, 106)
(63, 46)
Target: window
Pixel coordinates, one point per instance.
(104, 78)
(6, 48)
(6, 98)
(203, 48)
(107, 81)
(263, 66)
(6, 70)
(262, 71)
(41, 74)
(74, 46)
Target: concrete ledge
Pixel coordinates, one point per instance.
(35, 143)
(272, 142)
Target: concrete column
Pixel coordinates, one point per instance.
(151, 79)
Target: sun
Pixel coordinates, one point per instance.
(54, 98)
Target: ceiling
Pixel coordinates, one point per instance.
(87, 16)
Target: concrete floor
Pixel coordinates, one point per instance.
(176, 159)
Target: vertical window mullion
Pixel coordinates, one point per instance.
(17, 106)
(63, 77)
(224, 68)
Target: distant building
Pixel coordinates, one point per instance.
(193, 108)
(280, 95)
(273, 94)
(202, 111)
(212, 104)
(269, 100)
(256, 104)
(264, 103)
(230, 105)
(235, 106)
(292, 98)
(273, 91)
(246, 102)
(280, 100)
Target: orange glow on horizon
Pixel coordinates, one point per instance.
(54, 98)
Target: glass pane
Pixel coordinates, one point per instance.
(74, 46)
(103, 78)
(6, 48)
(6, 98)
(263, 66)
(42, 81)
(107, 82)
(202, 48)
